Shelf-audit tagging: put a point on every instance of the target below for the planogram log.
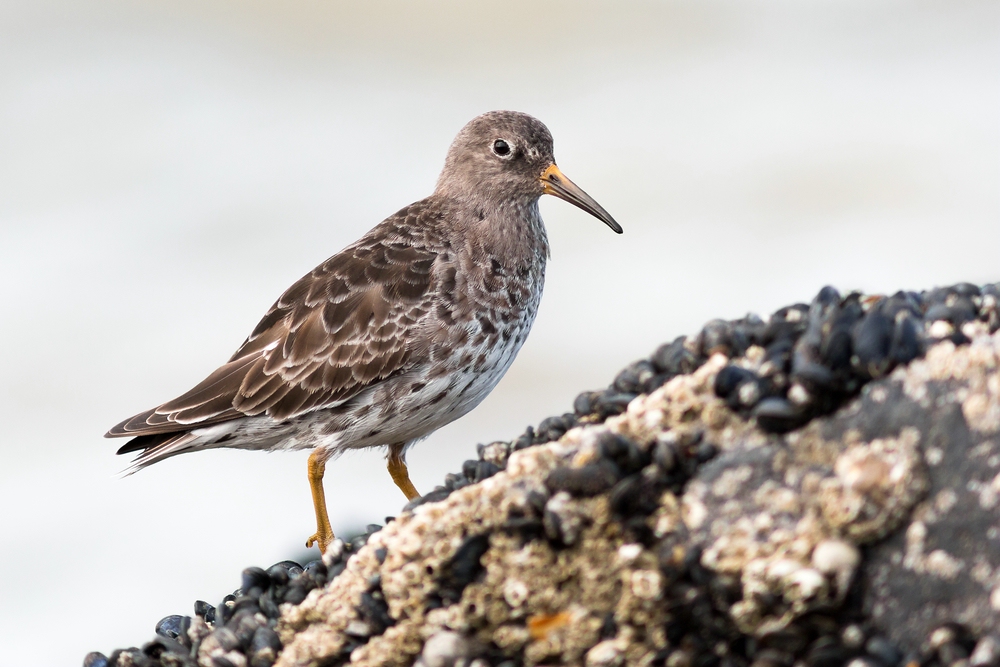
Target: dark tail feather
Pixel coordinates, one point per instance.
(144, 442)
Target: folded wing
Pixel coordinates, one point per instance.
(348, 325)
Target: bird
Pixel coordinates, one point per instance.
(402, 332)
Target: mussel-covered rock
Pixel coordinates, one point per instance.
(813, 488)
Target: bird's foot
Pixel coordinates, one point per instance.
(322, 537)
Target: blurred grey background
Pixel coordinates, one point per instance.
(168, 168)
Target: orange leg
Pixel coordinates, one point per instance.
(324, 533)
(397, 468)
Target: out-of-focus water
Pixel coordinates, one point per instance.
(167, 169)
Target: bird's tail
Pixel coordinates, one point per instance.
(155, 448)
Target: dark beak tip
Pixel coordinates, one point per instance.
(609, 221)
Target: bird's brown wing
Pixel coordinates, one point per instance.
(346, 326)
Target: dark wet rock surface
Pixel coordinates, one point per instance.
(240, 630)
(817, 488)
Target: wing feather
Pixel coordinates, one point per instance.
(219, 382)
(346, 326)
(219, 406)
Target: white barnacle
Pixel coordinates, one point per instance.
(646, 584)
(804, 584)
(515, 592)
(693, 511)
(782, 568)
(838, 559)
(628, 553)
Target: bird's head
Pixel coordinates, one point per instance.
(504, 157)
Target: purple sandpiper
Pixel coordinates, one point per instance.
(402, 332)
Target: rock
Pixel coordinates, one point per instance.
(818, 489)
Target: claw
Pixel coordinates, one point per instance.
(322, 538)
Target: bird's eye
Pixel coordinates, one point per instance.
(501, 148)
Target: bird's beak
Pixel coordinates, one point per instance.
(555, 183)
